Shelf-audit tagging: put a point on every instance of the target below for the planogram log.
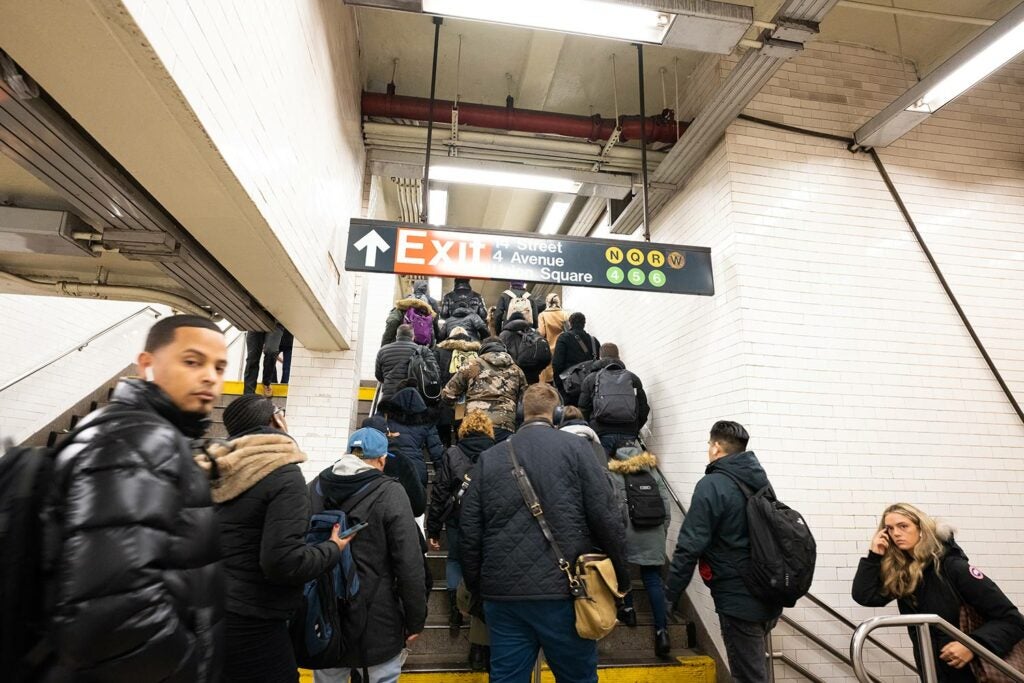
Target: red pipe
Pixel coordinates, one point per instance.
(661, 128)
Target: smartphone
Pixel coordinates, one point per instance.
(351, 530)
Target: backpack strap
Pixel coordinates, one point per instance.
(511, 294)
(359, 496)
(746, 490)
(579, 341)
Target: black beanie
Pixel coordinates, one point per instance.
(246, 413)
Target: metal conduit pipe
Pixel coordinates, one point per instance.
(532, 159)
(113, 292)
(392, 130)
(661, 128)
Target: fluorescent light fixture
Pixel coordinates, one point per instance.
(438, 207)
(555, 214)
(974, 71)
(434, 287)
(588, 17)
(524, 181)
(997, 45)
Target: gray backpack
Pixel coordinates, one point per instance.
(614, 397)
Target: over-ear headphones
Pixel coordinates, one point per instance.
(557, 415)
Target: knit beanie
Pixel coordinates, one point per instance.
(246, 413)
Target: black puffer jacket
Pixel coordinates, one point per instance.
(942, 595)
(504, 554)
(589, 393)
(263, 515)
(448, 479)
(467, 319)
(393, 365)
(388, 557)
(411, 428)
(715, 534)
(137, 581)
(463, 296)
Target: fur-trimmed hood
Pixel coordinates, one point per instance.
(244, 462)
(459, 345)
(637, 463)
(411, 302)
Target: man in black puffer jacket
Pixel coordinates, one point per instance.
(393, 362)
(508, 562)
(136, 584)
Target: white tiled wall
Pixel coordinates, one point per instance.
(37, 329)
(276, 86)
(830, 337)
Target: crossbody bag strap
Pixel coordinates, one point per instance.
(534, 506)
(583, 347)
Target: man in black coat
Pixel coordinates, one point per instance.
(392, 367)
(571, 348)
(715, 534)
(614, 400)
(506, 559)
(137, 589)
(391, 607)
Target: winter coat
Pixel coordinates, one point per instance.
(469, 320)
(492, 383)
(463, 296)
(458, 460)
(513, 336)
(392, 366)
(942, 593)
(504, 553)
(452, 354)
(397, 316)
(388, 558)
(399, 467)
(501, 310)
(411, 427)
(569, 352)
(583, 430)
(137, 585)
(588, 395)
(263, 512)
(645, 547)
(551, 323)
(715, 533)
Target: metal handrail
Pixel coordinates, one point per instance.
(80, 346)
(817, 640)
(923, 622)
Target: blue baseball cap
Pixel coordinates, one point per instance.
(373, 443)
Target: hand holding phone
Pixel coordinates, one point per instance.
(353, 530)
(342, 540)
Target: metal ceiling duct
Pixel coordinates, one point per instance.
(796, 23)
(660, 128)
(45, 142)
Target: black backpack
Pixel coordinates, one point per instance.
(26, 477)
(534, 351)
(614, 397)
(573, 376)
(643, 500)
(424, 369)
(782, 548)
(461, 298)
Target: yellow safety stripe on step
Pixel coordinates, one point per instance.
(367, 393)
(233, 388)
(692, 669)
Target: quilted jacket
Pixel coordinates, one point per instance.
(137, 581)
(504, 553)
(392, 366)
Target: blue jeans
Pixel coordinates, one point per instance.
(519, 628)
(387, 672)
(656, 593)
(452, 568)
(611, 441)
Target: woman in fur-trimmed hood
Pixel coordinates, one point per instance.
(262, 507)
(397, 316)
(644, 546)
(914, 560)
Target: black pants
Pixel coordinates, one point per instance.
(258, 651)
(745, 648)
(265, 345)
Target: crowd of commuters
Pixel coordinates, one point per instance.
(183, 559)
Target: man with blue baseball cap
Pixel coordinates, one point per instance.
(388, 558)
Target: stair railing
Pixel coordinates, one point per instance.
(80, 346)
(922, 623)
(772, 655)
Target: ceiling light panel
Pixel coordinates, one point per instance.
(555, 214)
(494, 178)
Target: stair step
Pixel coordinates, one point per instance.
(447, 663)
(437, 602)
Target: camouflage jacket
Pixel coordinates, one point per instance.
(492, 383)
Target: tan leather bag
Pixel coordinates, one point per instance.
(984, 672)
(595, 606)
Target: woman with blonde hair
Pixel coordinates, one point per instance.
(916, 562)
(552, 322)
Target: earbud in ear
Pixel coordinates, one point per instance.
(149, 374)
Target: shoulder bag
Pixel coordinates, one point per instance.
(592, 581)
(971, 619)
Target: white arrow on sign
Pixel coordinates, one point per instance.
(372, 243)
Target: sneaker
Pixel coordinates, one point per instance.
(477, 657)
(662, 645)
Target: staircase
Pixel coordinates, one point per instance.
(627, 654)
